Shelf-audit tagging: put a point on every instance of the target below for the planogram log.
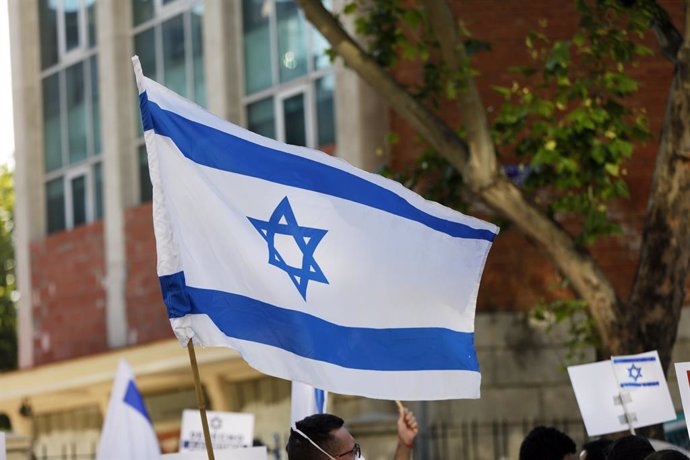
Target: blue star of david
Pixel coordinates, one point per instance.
(283, 222)
(634, 372)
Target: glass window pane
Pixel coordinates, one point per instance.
(95, 107)
(198, 55)
(78, 185)
(325, 111)
(260, 118)
(174, 69)
(295, 126)
(52, 137)
(292, 46)
(47, 20)
(76, 112)
(55, 205)
(142, 10)
(145, 187)
(71, 24)
(98, 190)
(91, 16)
(145, 48)
(257, 46)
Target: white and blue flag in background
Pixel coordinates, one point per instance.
(314, 270)
(306, 400)
(127, 429)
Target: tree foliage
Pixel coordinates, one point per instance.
(554, 155)
(565, 122)
(565, 127)
(8, 333)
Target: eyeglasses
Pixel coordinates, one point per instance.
(356, 451)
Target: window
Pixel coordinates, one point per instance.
(289, 83)
(168, 41)
(71, 116)
(168, 38)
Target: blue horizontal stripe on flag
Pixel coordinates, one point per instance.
(641, 384)
(391, 349)
(210, 147)
(634, 360)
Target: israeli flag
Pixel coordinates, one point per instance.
(127, 430)
(638, 371)
(314, 270)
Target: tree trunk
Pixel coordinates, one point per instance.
(661, 280)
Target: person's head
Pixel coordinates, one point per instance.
(630, 448)
(666, 454)
(596, 450)
(328, 433)
(546, 443)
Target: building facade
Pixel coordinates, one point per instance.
(89, 293)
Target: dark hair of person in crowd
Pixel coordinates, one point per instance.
(666, 454)
(546, 443)
(630, 447)
(596, 450)
(319, 428)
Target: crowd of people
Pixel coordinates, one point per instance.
(548, 443)
(324, 436)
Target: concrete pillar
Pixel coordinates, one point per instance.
(216, 389)
(21, 424)
(28, 137)
(222, 58)
(117, 93)
(362, 120)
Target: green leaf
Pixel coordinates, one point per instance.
(350, 8)
(612, 168)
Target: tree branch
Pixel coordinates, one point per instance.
(426, 122)
(482, 164)
(669, 38)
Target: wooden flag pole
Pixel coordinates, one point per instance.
(200, 401)
(401, 409)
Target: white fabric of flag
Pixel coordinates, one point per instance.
(314, 270)
(127, 430)
(305, 401)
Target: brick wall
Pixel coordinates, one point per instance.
(146, 315)
(516, 272)
(68, 294)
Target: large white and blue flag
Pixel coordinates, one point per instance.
(127, 429)
(314, 270)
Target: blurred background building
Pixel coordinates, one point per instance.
(85, 246)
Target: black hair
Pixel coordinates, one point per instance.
(666, 454)
(630, 447)
(597, 449)
(546, 443)
(318, 428)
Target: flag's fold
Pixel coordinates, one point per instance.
(314, 270)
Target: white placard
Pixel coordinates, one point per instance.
(3, 448)
(683, 376)
(228, 430)
(622, 392)
(249, 453)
